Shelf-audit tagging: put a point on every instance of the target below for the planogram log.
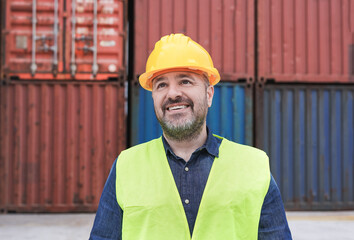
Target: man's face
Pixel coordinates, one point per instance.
(181, 101)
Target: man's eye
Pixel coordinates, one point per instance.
(161, 85)
(185, 82)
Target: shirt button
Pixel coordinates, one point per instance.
(186, 169)
(186, 201)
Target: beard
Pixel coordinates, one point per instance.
(182, 129)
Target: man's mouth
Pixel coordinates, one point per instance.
(177, 107)
(177, 104)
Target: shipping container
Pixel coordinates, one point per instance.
(58, 143)
(308, 133)
(230, 115)
(306, 41)
(224, 28)
(57, 39)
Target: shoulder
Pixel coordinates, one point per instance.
(140, 147)
(134, 152)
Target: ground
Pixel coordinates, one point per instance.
(303, 225)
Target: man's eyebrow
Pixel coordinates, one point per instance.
(158, 79)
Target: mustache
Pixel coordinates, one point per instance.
(177, 100)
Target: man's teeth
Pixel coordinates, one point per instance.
(177, 107)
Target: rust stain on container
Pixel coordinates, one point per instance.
(224, 28)
(58, 142)
(61, 40)
(305, 41)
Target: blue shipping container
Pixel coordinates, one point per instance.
(308, 134)
(230, 115)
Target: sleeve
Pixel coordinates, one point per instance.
(108, 221)
(273, 224)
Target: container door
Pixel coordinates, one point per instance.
(97, 39)
(64, 39)
(31, 38)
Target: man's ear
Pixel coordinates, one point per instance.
(210, 95)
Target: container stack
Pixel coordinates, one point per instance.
(304, 100)
(62, 109)
(287, 87)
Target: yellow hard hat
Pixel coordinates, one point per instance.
(175, 52)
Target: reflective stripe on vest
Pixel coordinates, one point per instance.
(230, 207)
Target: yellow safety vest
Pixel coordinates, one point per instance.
(230, 207)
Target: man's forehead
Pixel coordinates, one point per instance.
(177, 74)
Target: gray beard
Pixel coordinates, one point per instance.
(186, 132)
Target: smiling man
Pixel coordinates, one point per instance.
(181, 102)
(189, 183)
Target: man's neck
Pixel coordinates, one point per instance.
(184, 149)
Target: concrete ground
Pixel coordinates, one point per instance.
(321, 225)
(303, 225)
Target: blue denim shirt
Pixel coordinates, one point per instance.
(190, 178)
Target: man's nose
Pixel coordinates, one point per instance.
(174, 91)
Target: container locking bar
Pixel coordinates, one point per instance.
(73, 34)
(84, 38)
(44, 38)
(94, 48)
(34, 37)
(54, 48)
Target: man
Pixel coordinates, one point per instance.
(188, 184)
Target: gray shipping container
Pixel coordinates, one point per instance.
(307, 131)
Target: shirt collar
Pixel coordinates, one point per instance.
(211, 144)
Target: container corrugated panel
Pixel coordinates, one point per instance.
(230, 115)
(58, 142)
(306, 41)
(224, 28)
(57, 39)
(308, 133)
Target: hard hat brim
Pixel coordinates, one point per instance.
(146, 78)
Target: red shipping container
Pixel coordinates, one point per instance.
(224, 28)
(306, 41)
(57, 39)
(58, 143)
